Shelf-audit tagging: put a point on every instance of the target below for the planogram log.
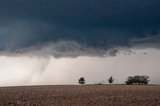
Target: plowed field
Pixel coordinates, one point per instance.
(121, 95)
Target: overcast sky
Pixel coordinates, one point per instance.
(58, 41)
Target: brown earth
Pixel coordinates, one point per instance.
(117, 95)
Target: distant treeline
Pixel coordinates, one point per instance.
(139, 80)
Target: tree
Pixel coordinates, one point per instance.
(82, 81)
(129, 80)
(111, 80)
(137, 80)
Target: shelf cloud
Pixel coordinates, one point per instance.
(77, 27)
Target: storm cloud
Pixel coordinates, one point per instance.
(77, 27)
(58, 41)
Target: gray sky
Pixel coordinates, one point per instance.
(27, 70)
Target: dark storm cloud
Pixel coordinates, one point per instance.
(92, 25)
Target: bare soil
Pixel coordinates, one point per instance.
(86, 95)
